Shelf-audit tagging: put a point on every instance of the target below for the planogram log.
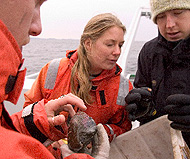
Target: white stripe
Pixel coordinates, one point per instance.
(27, 111)
(52, 74)
(123, 90)
(111, 130)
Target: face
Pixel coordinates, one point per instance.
(22, 18)
(174, 25)
(105, 51)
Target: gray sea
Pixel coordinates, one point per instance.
(40, 51)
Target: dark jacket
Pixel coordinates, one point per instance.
(165, 67)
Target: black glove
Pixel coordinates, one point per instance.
(178, 109)
(139, 103)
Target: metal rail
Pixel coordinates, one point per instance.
(130, 35)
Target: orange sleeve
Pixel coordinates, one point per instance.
(17, 145)
(38, 121)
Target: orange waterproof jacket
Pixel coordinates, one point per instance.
(16, 130)
(109, 90)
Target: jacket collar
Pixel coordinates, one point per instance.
(183, 44)
(10, 63)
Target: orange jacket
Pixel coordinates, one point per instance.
(16, 130)
(109, 90)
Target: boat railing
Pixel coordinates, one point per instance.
(32, 76)
(29, 80)
(130, 36)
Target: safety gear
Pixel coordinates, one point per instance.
(12, 79)
(14, 144)
(102, 145)
(108, 105)
(178, 109)
(160, 6)
(139, 103)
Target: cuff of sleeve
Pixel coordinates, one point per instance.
(28, 115)
(38, 118)
(110, 132)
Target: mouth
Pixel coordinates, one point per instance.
(173, 35)
(113, 61)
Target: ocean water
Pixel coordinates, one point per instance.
(40, 51)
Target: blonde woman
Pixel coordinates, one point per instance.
(91, 73)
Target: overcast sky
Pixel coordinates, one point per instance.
(65, 19)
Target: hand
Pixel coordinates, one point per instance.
(139, 103)
(103, 144)
(178, 109)
(100, 149)
(54, 107)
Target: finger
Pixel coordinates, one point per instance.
(178, 99)
(56, 145)
(170, 108)
(76, 101)
(133, 97)
(178, 110)
(180, 119)
(63, 141)
(61, 104)
(67, 108)
(57, 120)
(132, 117)
(131, 108)
(181, 127)
(73, 100)
(145, 91)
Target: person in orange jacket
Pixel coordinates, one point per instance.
(91, 73)
(18, 133)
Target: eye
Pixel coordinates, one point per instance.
(40, 2)
(177, 12)
(109, 45)
(121, 44)
(160, 16)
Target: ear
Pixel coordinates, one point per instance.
(88, 44)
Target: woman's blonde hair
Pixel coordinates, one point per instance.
(80, 77)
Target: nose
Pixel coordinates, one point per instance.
(117, 50)
(36, 26)
(170, 22)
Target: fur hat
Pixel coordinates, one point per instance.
(160, 6)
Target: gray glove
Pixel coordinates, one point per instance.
(139, 103)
